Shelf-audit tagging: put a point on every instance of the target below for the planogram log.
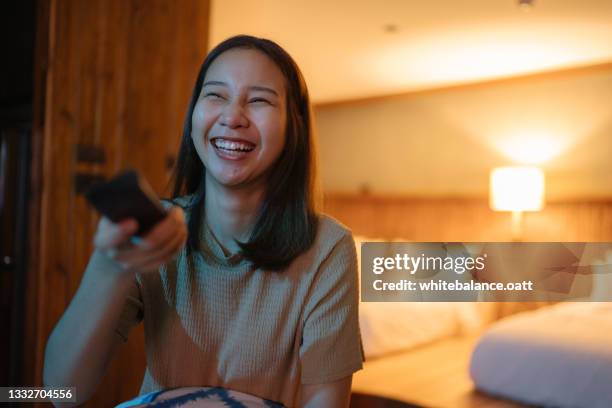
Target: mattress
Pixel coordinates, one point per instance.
(559, 356)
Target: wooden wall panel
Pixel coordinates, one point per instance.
(468, 219)
(117, 75)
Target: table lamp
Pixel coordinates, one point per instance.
(516, 189)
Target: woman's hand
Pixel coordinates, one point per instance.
(161, 244)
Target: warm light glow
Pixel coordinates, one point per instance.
(531, 148)
(429, 46)
(517, 189)
(462, 54)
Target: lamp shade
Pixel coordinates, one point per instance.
(517, 189)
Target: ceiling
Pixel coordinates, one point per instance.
(352, 49)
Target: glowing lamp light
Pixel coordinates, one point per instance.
(531, 149)
(517, 189)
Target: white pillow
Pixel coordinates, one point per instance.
(388, 327)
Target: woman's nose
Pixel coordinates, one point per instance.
(233, 116)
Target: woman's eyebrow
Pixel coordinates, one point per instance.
(254, 87)
(265, 89)
(214, 83)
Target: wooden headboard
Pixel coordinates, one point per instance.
(467, 219)
(433, 219)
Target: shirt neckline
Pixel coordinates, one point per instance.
(211, 245)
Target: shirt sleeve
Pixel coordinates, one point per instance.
(331, 346)
(132, 313)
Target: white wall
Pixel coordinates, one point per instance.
(444, 142)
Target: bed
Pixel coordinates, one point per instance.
(418, 353)
(462, 355)
(558, 356)
(426, 360)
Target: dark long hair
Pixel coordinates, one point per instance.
(286, 224)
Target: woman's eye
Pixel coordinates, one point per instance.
(259, 100)
(212, 95)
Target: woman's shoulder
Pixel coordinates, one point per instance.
(330, 226)
(330, 232)
(334, 247)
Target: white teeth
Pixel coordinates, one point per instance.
(227, 145)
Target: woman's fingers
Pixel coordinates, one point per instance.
(141, 254)
(172, 248)
(111, 235)
(159, 245)
(165, 230)
(161, 256)
(162, 233)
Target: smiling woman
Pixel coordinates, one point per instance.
(249, 123)
(238, 123)
(245, 286)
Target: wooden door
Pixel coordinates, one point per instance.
(112, 84)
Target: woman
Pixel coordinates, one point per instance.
(256, 292)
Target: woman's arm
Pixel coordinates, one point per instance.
(335, 394)
(331, 342)
(85, 339)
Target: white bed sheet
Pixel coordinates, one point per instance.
(559, 356)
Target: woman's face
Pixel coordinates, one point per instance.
(238, 122)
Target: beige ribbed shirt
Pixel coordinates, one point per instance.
(225, 323)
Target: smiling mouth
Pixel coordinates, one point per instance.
(232, 146)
